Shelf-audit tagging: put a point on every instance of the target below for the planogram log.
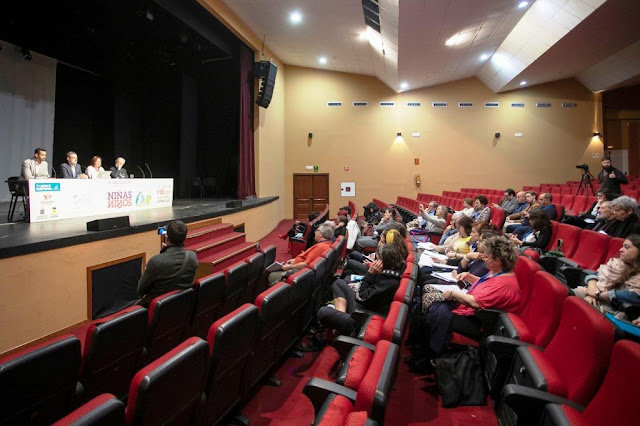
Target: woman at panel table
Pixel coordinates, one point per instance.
(95, 167)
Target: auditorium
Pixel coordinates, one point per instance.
(336, 212)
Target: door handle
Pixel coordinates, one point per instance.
(303, 199)
(319, 199)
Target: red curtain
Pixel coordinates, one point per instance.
(246, 168)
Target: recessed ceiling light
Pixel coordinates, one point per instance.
(484, 57)
(523, 4)
(523, 82)
(363, 35)
(451, 41)
(295, 17)
(404, 85)
(322, 60)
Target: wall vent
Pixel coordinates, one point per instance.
(543, 104)
(387, 104)
(371, 12)
(491, 104)
(439, 104)
(569, 105)
(357, 104)
(465, 104)
(413, 104)
(334, 103)
(517, 104)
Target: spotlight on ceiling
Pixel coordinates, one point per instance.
(322, 60)
(451, 41)
(404, 85)
(363, 35)
(26, 54)
(523, 83)
(295, 17)
(523, 4)
(484, 56)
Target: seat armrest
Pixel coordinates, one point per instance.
(529, 403)
(549, 263)
(317, 390)
(343, 344)
(500, 345)
(361, 314)
(572, 275)
(488, 318)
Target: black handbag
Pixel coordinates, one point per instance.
(460, 379)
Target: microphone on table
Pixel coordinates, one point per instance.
(53, 170)
(140, 168)
(149, 168)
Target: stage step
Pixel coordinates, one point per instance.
(215, 245)
(207, 232)
(219, 261)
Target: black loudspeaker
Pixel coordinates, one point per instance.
(234, 204)
(266, 72)
(109, 223)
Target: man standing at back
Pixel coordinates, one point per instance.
(610, 178)
(173, 269)
(36, 167)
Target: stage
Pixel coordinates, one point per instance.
(21, 238)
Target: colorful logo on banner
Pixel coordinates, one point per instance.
(119, 199)
(143, 199)
(42, 187)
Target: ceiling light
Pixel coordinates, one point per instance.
(363, 35)
(404, 85)
(322, 60)
(484, 57)
(451, 41)
(499, 59)
(295, 17)
(523, 4)
(523, 82)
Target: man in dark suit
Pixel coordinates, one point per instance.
(173, 269)
(118, 171)
(71, 169)
(610, 178)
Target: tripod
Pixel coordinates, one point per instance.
(586, 183)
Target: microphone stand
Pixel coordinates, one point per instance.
(149, 168)
(140, 168)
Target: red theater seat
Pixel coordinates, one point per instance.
(300, 309)
(111, 352)
(592, 248)
(272, 339)
(615, 402)
(169, 390)
(208, 304)
(231, 340)
(235, 284)
(572, 365)
(256, 266)
(404, 293)
(333, 402)
(103, 410)
(169, 318)
(37, 385)
(498, 216)
(391, 328)
(535, 324)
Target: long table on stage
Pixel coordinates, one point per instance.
(54, 199)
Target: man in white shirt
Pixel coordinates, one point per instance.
(36, 167)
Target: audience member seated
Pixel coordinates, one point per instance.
(298, 228)
(341, 226)
(617, 282)
(544, 200)
(514, 220)
(467, 209)
(388, 215)
(95, 167)
(372, 213)
(587, 218)
(481, 212)
(375, 291)
(498, 289)
(610, 178)
(604, 218)
(358, 264)
(118, 171)
(436, 220)
(36, 167)
(624, 210)
(457, 242)
(323, 240)
(509, 202)
(539, 235)
(173, 269)
(71, 169)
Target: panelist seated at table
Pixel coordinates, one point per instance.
(36, 167)
(94, 170)
(118, 171)
(71, 169)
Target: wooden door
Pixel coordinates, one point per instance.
(634, 148)
(310, 193)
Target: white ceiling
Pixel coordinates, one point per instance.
(545, 41)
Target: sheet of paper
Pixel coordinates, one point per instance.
(445, 287)
(427, 246)
(434, 254)
(446, 276)
(275, 266)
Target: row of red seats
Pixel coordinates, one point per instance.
(298, 245)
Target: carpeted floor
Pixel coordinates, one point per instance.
(282, 246)
(414, 400)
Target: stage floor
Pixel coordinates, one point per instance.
(22, 238)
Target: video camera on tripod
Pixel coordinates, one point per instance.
(585, 182)
(584, 167)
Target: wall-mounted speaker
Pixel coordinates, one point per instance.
(266, 72)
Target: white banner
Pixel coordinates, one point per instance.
(54, 199)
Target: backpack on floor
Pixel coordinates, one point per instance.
(460, 379)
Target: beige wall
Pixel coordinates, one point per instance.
(456, 147)
(42, 293)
